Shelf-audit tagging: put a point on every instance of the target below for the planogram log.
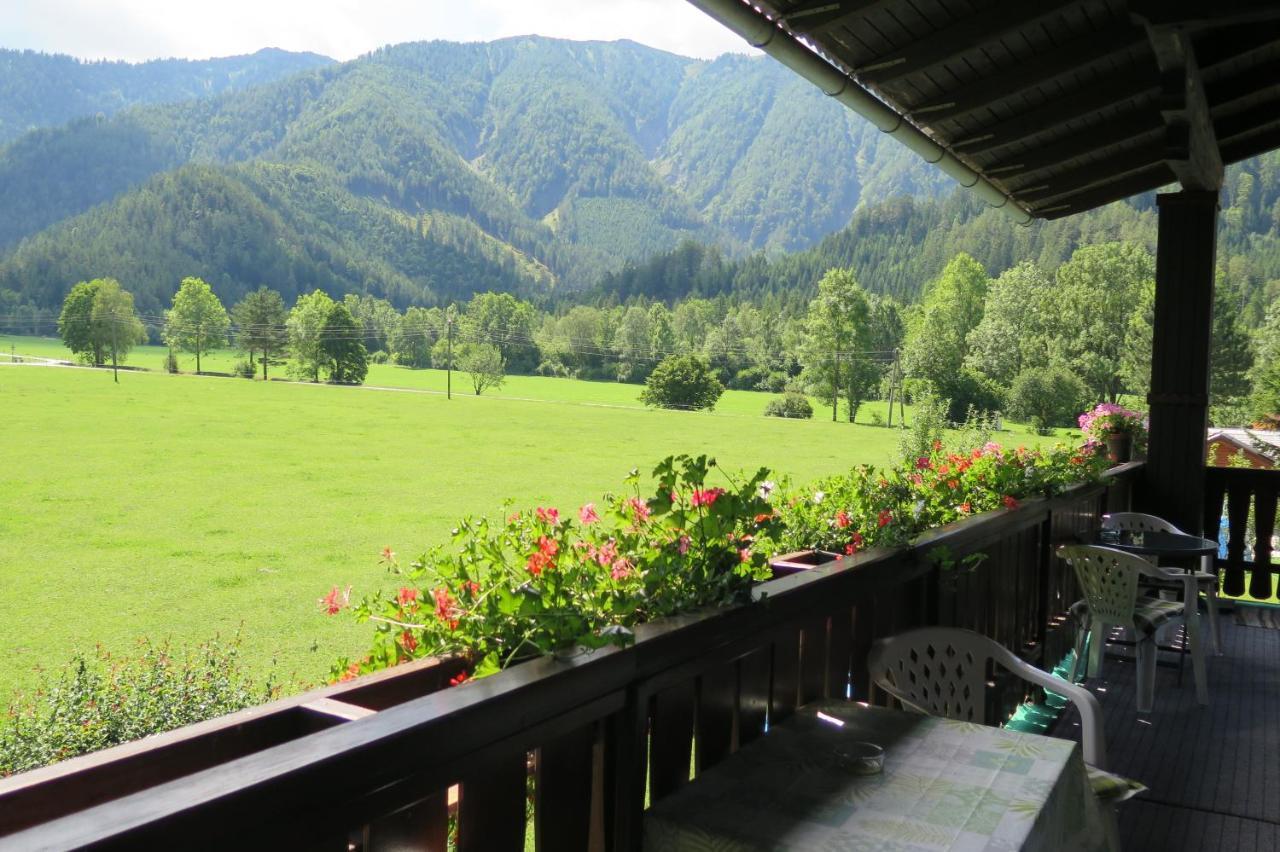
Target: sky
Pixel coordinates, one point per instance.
(137, 30)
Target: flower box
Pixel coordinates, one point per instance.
(786, 564)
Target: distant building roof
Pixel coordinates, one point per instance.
(1261, 448)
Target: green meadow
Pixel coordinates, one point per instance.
(184, 506)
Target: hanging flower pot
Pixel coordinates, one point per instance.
(1119, 447)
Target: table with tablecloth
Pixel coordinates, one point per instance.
(946, 785)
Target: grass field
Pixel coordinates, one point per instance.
(186, 506)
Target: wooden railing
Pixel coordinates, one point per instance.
(1250, 505)
(579, 742)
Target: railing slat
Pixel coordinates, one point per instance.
(563, 787)
(1264, 525)
(839, 651)
(786, 675)
(717, 708)
(421, 826)
(492, 811)
(754, 672)
(670, 740)
(1239, 495)
(813, 659)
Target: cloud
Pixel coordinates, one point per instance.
(136, 30)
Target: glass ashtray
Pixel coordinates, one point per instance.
(860, 758)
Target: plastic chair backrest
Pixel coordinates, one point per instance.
(939, 671)
(1137, 522)
(1108, 578)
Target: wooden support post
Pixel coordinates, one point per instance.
(1179, 398)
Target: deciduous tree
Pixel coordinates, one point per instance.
(342, 350)
(306, 327)
(682, 381)
(114, 322)
(837, 364)
(484, 363)
(197, 322)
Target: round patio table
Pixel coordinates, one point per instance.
(1166, 544)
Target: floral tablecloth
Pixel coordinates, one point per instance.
(945, 785)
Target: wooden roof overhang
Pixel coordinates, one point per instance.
(1053, 107)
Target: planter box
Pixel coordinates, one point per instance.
(786, 564)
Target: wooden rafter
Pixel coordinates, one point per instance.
(1069, 59)
(1135, 81)
(964, 35)
(1108, 170)
(1242, 148)
(817, 15)
(1190, 13)
(1116, 132)
(1225, 44)
(1259, 115)
(1254, 81)
(1153, 178)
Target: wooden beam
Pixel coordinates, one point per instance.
(1153, 178)
(1250, 146)
(1131, 82)
(1185, 109)
(818, 15)
(1257, 115)
(1070, 58)
(1187, 13)
(1042, 190)
(1115, 132)
(1252, 81)
(1217, 46)
(970, 32)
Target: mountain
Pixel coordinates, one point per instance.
(44, 90)
(427, 171)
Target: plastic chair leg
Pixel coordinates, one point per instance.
(1195, 637)
(1097, 646)
(1146, 673)
(1082, 633)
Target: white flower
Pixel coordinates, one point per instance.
(917, 509)
(819, 496)
(766, 488)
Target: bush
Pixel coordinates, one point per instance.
(379, 357)
(926, 429)
(171, 363)
(968, 389)
(1053, 395)
(793, 405)
(99, 701)
(682, 381)
(245, 369)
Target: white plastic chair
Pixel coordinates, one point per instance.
(1109, 580)
(942, 671)
(1139, 522)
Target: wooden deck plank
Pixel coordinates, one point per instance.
(1213, 774)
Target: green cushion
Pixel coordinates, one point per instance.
(1153, 612)
(1112, 788)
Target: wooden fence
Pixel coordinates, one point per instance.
(1250, 503)
(578, 744)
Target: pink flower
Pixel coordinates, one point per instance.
(683, 545)
(639, 508)
(922, 463)
(744, 554)
(622, 568)
(388, 555)
(548, 516)
(606, 554)
(587, 514)
(334, 602)
(705, 497)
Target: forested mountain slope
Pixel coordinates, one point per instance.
(45, 90)
(426, 171)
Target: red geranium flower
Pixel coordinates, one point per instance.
(459, 678)
(705, 497)
(639, 508)
(334, 602)
(388, 555)
(885, 517)
(1009, 502)
(842, 519)
(407, 641)
(549, 516)
(446, 609)
(407, 596)
(587, 514)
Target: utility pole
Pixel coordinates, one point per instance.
(893, 384)
(115, 366)
(448, 324)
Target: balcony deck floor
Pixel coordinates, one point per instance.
(1213, 772)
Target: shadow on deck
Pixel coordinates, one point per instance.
(1213, 772)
